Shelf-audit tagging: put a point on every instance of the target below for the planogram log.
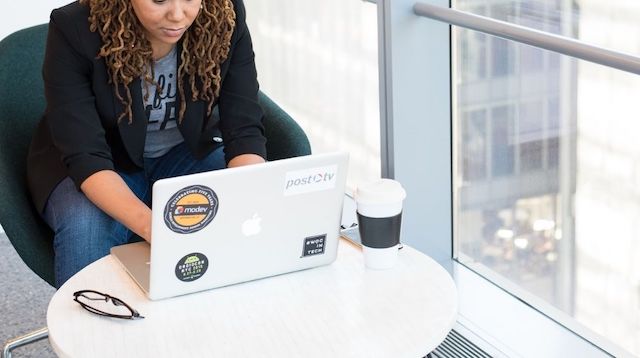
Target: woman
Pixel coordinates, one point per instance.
(131, 89)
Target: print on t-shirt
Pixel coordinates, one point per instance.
(162, 103)
(160, 108)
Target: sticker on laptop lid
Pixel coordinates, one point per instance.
(192, 267)
(314, 245)
(191, 209)
(310, 180)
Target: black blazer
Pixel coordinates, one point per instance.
(79, 133)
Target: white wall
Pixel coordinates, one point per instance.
(17, 15)
(319, 61)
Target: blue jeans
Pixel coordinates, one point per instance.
(84, 233)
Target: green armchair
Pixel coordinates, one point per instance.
(21, 105)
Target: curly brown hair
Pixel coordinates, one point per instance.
(128, 54)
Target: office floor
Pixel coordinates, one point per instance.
(23, 302)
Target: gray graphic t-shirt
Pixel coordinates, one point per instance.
(160, 108)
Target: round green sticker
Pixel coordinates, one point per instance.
(192, 267)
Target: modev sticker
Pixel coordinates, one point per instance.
(191, 209)
(192, 267)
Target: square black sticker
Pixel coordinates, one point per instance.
(314, 245)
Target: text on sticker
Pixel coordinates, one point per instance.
(310, 180)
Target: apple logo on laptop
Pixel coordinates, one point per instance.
(251, 227)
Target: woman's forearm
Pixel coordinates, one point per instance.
(110, 193)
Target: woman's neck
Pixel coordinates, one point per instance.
(161, 50)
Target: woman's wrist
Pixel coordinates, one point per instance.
(245, 159)
(142, 224)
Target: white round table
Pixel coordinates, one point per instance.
(340, 310)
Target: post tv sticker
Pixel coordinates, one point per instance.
(191, 209)
(192, 267)
(314, 245)
(310, 180)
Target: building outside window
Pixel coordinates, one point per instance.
(547, 171)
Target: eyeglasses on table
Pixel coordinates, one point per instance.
(105, 305)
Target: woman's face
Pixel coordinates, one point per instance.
(165, 21)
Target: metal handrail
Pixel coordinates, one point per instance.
(529, 36)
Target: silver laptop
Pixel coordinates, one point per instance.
(234, 225)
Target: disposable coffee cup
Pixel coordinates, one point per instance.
(379, 211)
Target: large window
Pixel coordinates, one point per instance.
(546, 166)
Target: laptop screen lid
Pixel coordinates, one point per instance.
(239, 224)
